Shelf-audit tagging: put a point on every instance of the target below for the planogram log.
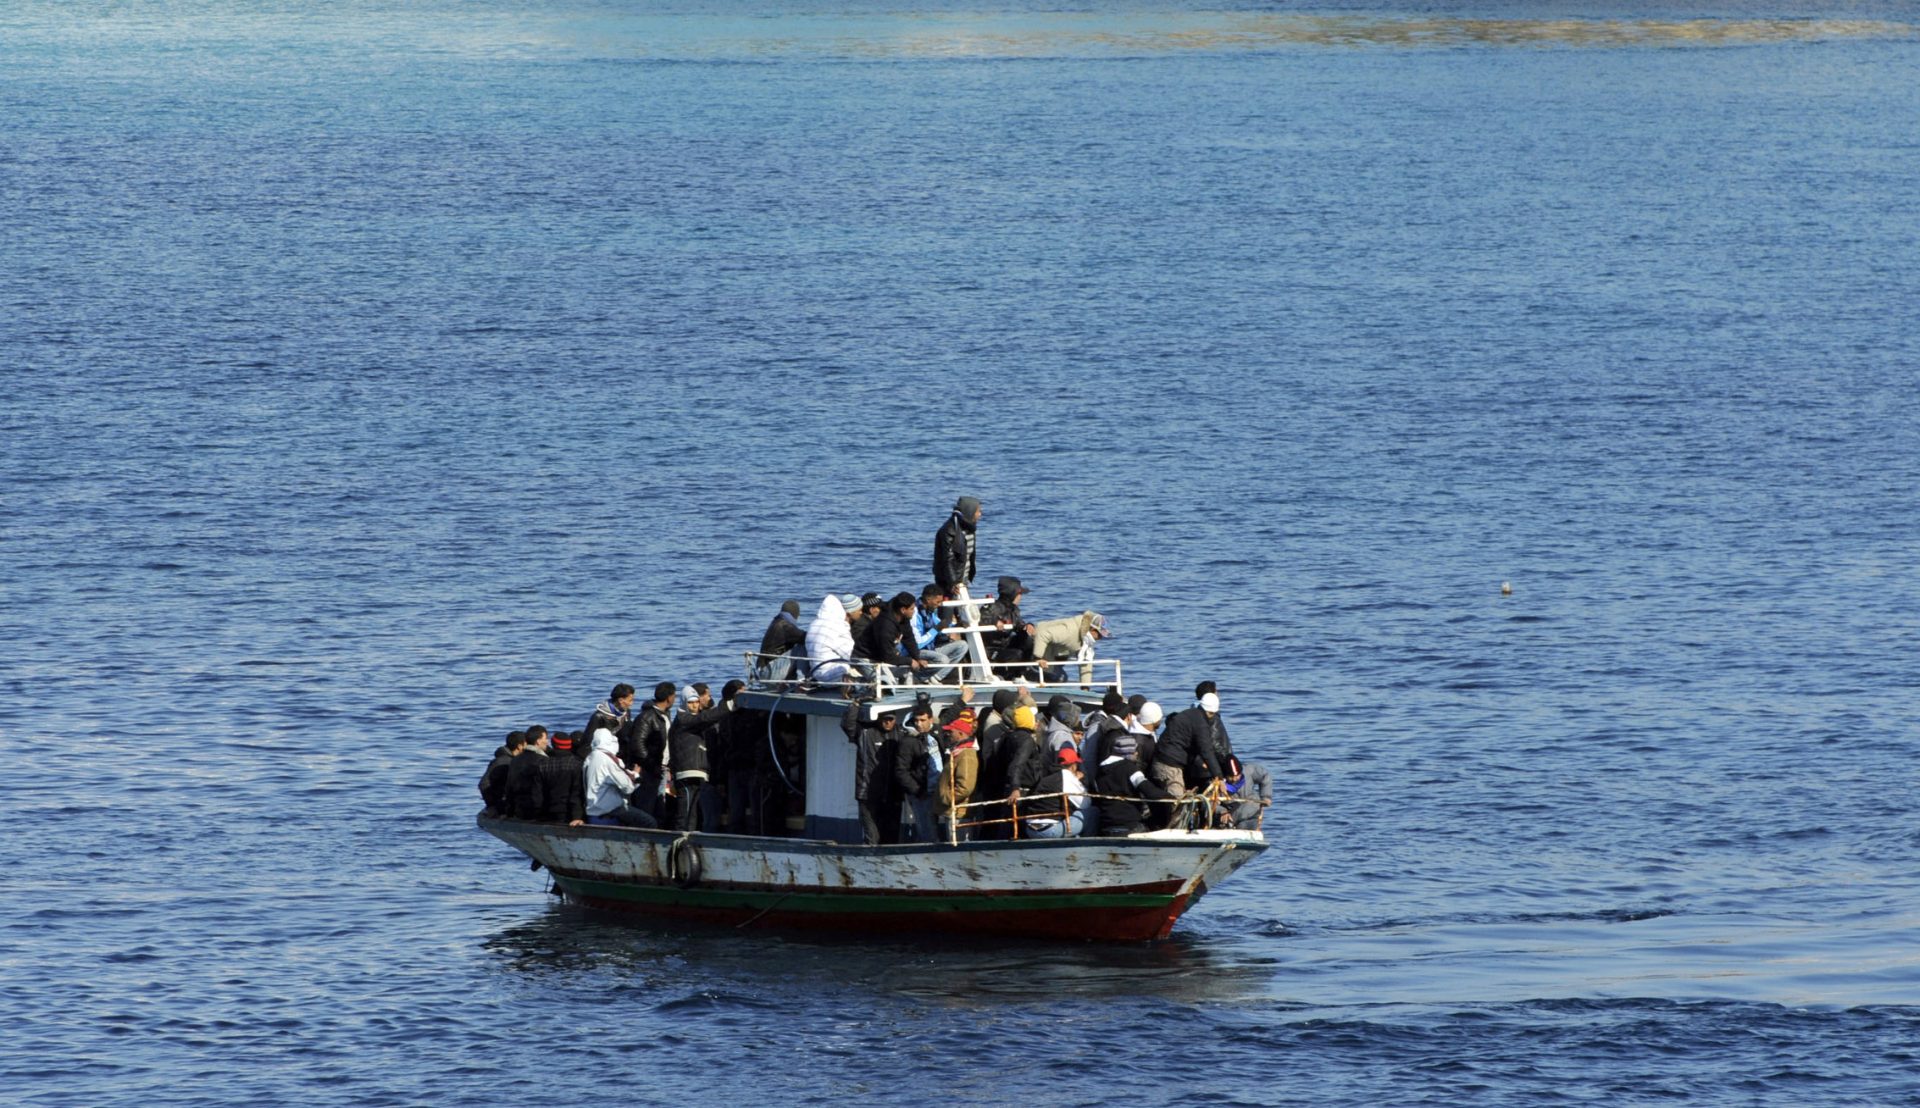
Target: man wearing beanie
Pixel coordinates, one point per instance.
(562, 784)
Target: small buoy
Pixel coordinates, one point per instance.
(1506, 588)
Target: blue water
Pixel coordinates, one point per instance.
(381, 378)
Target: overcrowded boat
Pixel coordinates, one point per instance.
(941, 765)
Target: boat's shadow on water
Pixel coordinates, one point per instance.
(568, 940)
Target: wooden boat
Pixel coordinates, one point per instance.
(1131, 888)
(1114, 888)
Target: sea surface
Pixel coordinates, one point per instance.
(377, 378)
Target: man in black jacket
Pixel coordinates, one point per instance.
(889, 640)
(643, 748)
(1213, 758)
(777, 645)
(874, 786)
(953, 547)
(913, 768)
(493, 783)
(526, 792)
(563, 786)
(1011, 636)
(1126, 791)
(687, 744)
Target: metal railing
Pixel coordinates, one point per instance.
(879, 679)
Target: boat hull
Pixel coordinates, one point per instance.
(1114, 889)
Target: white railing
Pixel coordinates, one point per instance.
(882, 679)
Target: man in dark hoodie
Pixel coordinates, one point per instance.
(562, 784)
(493, 783)
(777, 645)
(953, 547)
(1010, 638)
(526, 793)
(874, 786)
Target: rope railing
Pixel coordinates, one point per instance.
(1205, 801)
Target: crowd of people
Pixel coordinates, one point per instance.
(910, 639)
(683, 760)
(1023, 770)
(1015, 769)
(1009, 769)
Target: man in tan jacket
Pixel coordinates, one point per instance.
(1059, 640)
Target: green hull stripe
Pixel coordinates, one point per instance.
(840, 903)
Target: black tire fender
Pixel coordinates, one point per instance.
(683, 862)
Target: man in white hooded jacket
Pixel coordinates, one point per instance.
(830, 638)
(609, 786)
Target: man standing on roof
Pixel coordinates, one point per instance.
(953, 547)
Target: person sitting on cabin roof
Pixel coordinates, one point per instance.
(874, 788)
(563, 796)
(1128, 796)
(609, 788)
(777, 645)
(613, 713)
(857, 624)
(526, 796)
(493, 783)
(1057, 640)
(917, 764)
(830, 638)
(888, 642)
(1011, 636)
(1059, 805)
(954, 791)
(954, 547)
(930, 625)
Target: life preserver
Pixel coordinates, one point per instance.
(683, 862)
